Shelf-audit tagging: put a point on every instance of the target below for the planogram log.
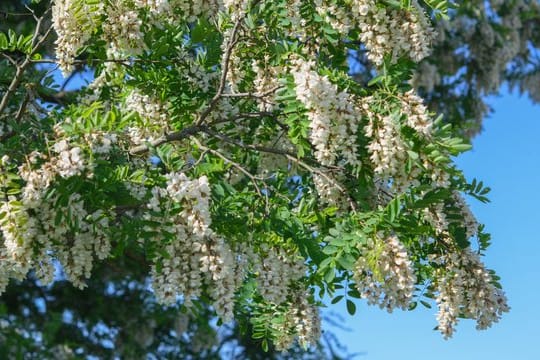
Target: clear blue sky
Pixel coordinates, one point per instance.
(506, 155)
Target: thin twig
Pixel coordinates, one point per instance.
(225, 69)
(6, 14)
(254, 95)
(9, 58)
(230, 140)
(90, 62)
(37, 41)
(331, 180)
(22, 108)
(239, 168)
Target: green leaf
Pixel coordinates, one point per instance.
(330, 250)
(329, 275)
(351, 307)
(3, 41)
(459, 148)
(413, 155)
(346, 261)
(326, 262)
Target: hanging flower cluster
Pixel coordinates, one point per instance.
(384, 274)
(74, 22)
(333, 117)
(466, 289)
(383, 31)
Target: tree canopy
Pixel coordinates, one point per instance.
(244, 161)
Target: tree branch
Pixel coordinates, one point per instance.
(176, 136)
(192, 130)
(239, 168)
(230, 140)
(254, 95)
(225, 69)
(37, 41)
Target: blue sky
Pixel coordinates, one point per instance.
(506, 155)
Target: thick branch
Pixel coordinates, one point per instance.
(57, 97)
(176, 136)
(192, 130)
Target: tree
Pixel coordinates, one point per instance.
(234, 158)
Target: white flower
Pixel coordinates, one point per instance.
(384, 274)
(465, 287)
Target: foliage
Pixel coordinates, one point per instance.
(246, 161)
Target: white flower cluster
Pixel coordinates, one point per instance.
(306, 319)
(276, 271)
(76, 21)
(153, 114)
(70, 161)
(388, 152)
(197, 74)
(436, 216)
(301, 322)
(122, 30)
(73, 22)
(416, 113)
(195, 253)
(298, 25)
(383, 31)
(33, 241)
(148, 108)
(77, 238)
(384, 273)
(393, 32)
(89, 237)
(334, 14)
(66, 161)
(179, 273)
(439, 177)
(174, 11)
(266, 80)
(17, 228)
(332, 114)
(329, 188)
(224, 270)
(156, 7)
(469, 220)
(101, 143)
(466, 288)
(236, 8)
(193, 9)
